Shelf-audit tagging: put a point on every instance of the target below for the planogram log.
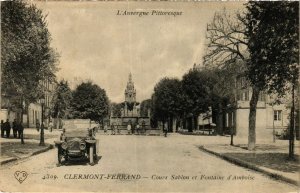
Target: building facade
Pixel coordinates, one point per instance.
(34, 114)
(269, 115)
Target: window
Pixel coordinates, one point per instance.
(261, 96)
(277, 115)
(243, 95)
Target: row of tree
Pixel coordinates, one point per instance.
(201, 90)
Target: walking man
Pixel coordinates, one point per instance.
(143, 127)
(113, 131)
(15, 128)
(2, 128)
(165, 129)
(50, 126)
(7, 128)
(20, 129)
(37, 122)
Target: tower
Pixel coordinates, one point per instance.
(130, 92)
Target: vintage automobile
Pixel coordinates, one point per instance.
(77, 143)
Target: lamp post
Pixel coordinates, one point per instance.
(42, 139)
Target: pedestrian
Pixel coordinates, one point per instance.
(129, 128)
(2, 128)
(143, 127)
(113, 131)
(37, 123)
(50, 126)
(105, 128)
(15, 128)
(133, 128)
(165, 129)
(63, 135)
(138, 128)
(7, 128)
(20, 129)
(118, 129)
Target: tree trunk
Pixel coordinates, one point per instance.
(195, 122)
(190, 124)
(252, 118)
(220, 119)
(292, 125)
(28, 125)
(174, 125)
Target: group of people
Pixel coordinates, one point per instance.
(16, 127)
(131, 128)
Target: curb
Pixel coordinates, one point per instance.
(32, 154)
(8, 160)
(42, 150)
(196, 134)
(252, 167)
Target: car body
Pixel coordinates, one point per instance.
(77, 143)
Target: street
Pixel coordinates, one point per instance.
(150, 164)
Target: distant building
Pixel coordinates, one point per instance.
(34, 114)
(35, 109)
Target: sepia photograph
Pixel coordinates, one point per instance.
(150, 96)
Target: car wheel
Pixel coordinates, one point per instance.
(59, 157)
(91, 155)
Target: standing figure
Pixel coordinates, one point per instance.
(133, 128)
(105, 128)
(37, 123)
(165, 128)
(20, 129)
(2, 128)
(118, 129)
(15, 128)
(7, 128)
(143, 127)
(138, 128)
(129, 128)
(50, 126)
(113, 131)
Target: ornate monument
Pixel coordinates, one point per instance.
(130, 113)
(131, 109)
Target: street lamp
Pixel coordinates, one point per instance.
(42, 139)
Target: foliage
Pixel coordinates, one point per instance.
(26, 55)
(197, 86)
(116, 109)
(62, 97)
(89, 102)
(145, 106)
(273, 33)
(167, 99)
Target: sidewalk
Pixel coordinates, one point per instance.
(12, 149)
(269, 159)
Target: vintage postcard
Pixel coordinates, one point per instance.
(150, 96)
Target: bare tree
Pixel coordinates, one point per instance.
(227, 42)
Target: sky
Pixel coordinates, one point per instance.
(96, 44)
